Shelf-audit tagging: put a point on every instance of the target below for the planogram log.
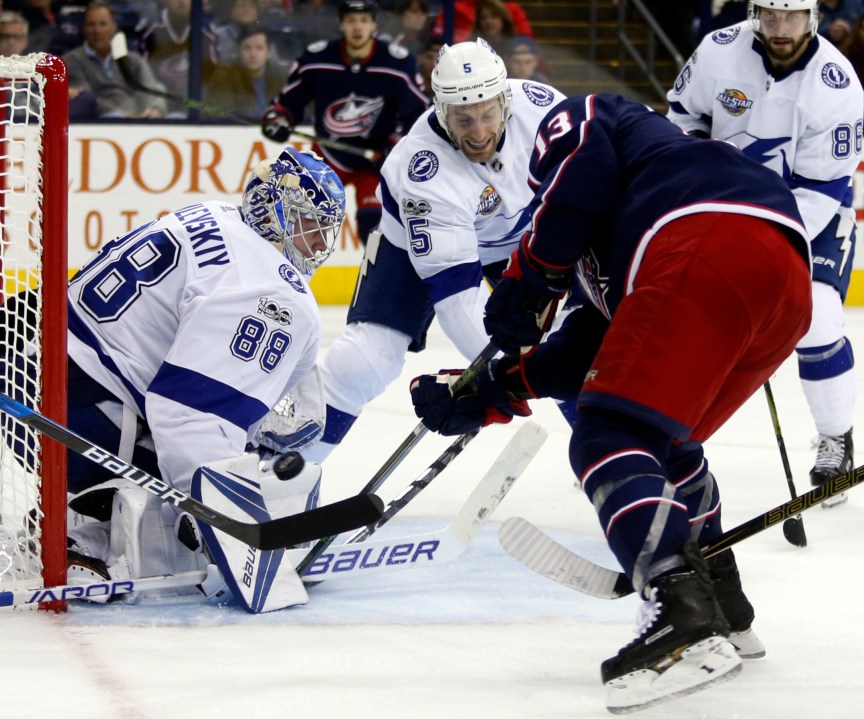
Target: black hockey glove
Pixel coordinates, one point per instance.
(523, 304)
(482, 403)
(276, 124)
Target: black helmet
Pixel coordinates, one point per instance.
(349, 6)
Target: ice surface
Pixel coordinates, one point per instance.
(482, 636)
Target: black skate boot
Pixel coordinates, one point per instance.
(833, 458)
(81, 569)
(735, 605)
(682, 646)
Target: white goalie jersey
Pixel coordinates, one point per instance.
(805, 125)
(199, 324)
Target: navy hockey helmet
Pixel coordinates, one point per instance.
(349, 6)
(297, 203)
(811, 6)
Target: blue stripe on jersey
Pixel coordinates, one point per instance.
(678, 109)
(835, 189)
(205, 394)
(83, 333)
(388, 202)
(454, 280)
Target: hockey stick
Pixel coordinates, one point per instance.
(120, 52)
(99, 590)
(352, 559)
(330, 519)
(395, 459)
(362, 557)
(530, 546)
(793, 528)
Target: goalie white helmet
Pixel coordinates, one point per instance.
(468, 73)
(296, 202)
(811, 6)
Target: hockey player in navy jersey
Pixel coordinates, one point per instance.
(695, 271)
(364, 93)
(184, 337)
(455, 198)
(792, 101)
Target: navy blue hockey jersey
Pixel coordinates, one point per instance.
(609, 173)
(360, 103)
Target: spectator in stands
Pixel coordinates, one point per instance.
(523, 61)
(838, 17)
(13, 33)
(412, 28)
(227, 30)
(41, 20)
(465, 15)
(247, 86)
(426, 62)
(166, 48)
(92, 67)
(494, 24)
(314, 19)
(853, 48)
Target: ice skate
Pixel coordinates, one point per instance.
(735, 605)
(682, 646)
(833, 458)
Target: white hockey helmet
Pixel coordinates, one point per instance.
(467, 73)
(297, 202)
(786, 5)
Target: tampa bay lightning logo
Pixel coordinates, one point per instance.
(726, 35)
(540, 96)
(423, 166)
(833, 76)
(289, 274)
(683, 79)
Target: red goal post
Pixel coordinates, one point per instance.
(33, 256)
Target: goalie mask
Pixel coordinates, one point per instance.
(469, 73)
(809, 6)
(297, 203)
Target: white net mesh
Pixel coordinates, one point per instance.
(21, 185)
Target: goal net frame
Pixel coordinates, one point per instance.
(34, 259)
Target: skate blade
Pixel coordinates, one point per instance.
(702, 665)
(835, 500)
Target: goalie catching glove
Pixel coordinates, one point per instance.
(483, 402)
(523, 304)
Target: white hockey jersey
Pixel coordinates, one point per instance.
(450, 213)
(200, 325)
(805, 125)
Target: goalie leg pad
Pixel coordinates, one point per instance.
(260, 581)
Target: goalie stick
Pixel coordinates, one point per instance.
(329, 519)
(539, 552)
(120, 52)
(356, 557)
(395, 459)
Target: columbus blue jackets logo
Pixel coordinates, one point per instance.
(423, 166)
(353, 116)
(833, 76)
(734, 102)
(490, 201)
(289, 274)
(726, 35)
(540, 96)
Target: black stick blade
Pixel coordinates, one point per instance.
(793, 530)
(324, 521)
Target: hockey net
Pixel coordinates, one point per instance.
(33, 258)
